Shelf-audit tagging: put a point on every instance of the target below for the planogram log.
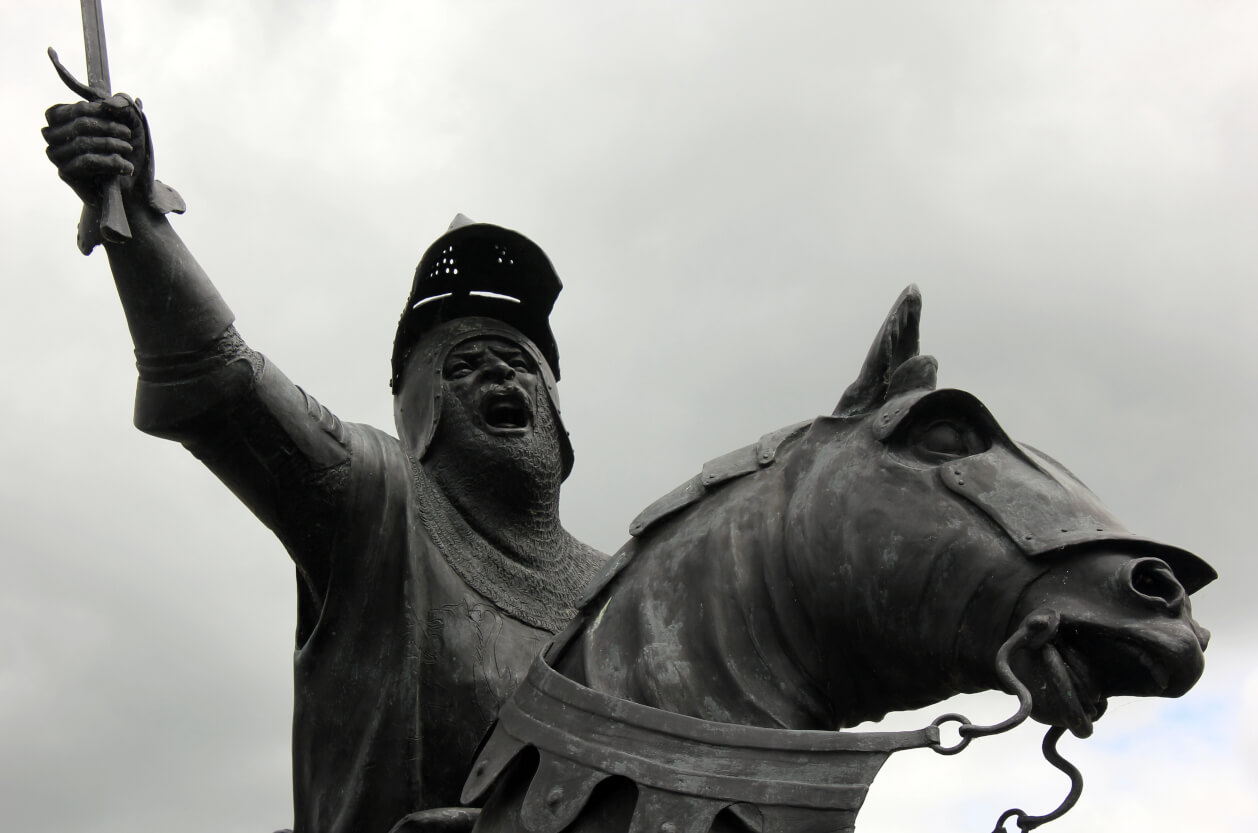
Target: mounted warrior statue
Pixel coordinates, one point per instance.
(888, 555)
(431, 568)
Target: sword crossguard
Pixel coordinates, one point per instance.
(80, 89)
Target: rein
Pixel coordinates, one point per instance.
(1035, 632)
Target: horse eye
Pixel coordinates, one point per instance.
(948, 439)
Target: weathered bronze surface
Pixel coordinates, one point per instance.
(432, 568)
(884, 557)
(897, 552)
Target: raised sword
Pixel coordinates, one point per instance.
(110, 217)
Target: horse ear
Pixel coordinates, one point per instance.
(896, 343)
(918, 373)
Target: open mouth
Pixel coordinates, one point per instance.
(508, 410)
(1079, 674)
(1070, 697)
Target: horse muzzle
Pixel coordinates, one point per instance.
(1122, 626)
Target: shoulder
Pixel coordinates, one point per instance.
(380, 469)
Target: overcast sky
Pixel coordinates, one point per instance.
(734, 193)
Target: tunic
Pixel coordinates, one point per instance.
(400, 665)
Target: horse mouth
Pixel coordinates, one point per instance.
(1080, 669)
(1067, 695)
(507, 411)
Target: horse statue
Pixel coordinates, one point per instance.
(885, 557)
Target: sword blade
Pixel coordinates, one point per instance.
(94, 45)
(111, 217)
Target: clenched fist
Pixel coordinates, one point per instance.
(92, 142)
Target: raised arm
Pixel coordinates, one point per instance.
(281, 452)
(171, 305)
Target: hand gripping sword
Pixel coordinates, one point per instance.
(110, 217)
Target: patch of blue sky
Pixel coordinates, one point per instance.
(1205, 718)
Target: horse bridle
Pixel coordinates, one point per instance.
(1035, 632)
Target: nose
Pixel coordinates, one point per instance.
(498, 370)
(1152, 582)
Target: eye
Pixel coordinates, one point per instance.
(939, 427)
(943, 438)
(521, 365)
(456, 370)
(934, 441)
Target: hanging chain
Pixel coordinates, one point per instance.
(1035, 632)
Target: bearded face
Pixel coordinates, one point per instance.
(497, 437)
(496, 384)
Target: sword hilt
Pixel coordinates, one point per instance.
(109, 219)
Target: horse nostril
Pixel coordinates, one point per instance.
(1153, 581)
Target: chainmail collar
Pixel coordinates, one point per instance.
(543, 595)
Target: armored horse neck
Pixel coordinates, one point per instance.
(687, 605)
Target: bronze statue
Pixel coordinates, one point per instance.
(885, 557)
(430, 568)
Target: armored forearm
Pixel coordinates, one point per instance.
(171, 306)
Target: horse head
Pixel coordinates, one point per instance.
(927, 537)
(876, 560)
(896, 552)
